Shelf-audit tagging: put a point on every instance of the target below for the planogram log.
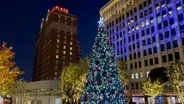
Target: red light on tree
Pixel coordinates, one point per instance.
(59, 9)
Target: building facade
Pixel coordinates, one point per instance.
(40, 92)
(56, 44)
(146, 34)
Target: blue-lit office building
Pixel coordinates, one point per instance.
(146, 34)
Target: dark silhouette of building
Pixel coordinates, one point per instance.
(56, 44)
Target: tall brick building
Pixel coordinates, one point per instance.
(56, 44)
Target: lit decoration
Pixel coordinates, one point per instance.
(8, 69)
(103, 84)
(72, 80)
(176, 79)
(57, 8)
(152, 89)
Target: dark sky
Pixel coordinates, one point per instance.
(20, 22)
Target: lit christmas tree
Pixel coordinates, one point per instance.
(103, 85)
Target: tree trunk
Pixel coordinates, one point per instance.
(146, 99)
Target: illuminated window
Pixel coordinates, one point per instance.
(64, 52)
(132, 76)
(71, 43)
(64, 47)
(136, 75)
(57, 56)
(70, 48)
(141, 75)
(147, 73)
(57, 51)
(57, 40)
(70, 53)
(71, 34)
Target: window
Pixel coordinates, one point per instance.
(64, 47)
(150, 10)
(173, 32)
(130, 56)
(165, 23)
(151, 61)
(155, 49)
(135, 10)
(57, 40)
(134, 55)
(57, 56)
(64, 52)
(64, 36)
(164, 59)
(132, 85)
(163, 12)
(175, 44)
(57, 45)
(145, 53)
(149, 1)
(136, 75)
(145, 62)
(140, 64)
(149, 41)
(64, 57)
(140, 6)
(144, 42)
(149, 51)
(159, 26)
(162, 46)
(143, 33)
(166, 34)
(70, 53)
(170, 56)
(147, 31)
(131, 66)
(135, 65)
(182, 28)
(153, 39)
(70, 43)
(161, 36)
(137, 35)
(57, 51)
(138, 45)
(168, 44)
(177, 56)
(139, 54)
(152, 29)
(156, 60)
(58, 35)
(171, 21)
(180, 17)
(70, 48)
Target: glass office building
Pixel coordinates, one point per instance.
(146, 34)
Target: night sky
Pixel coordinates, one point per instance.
(20, 23)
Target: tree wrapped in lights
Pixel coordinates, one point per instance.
(72, 80)
(176, 79)
(8, 69)
(152, 89)
(103, 85)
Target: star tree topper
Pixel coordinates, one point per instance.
(101, 22)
